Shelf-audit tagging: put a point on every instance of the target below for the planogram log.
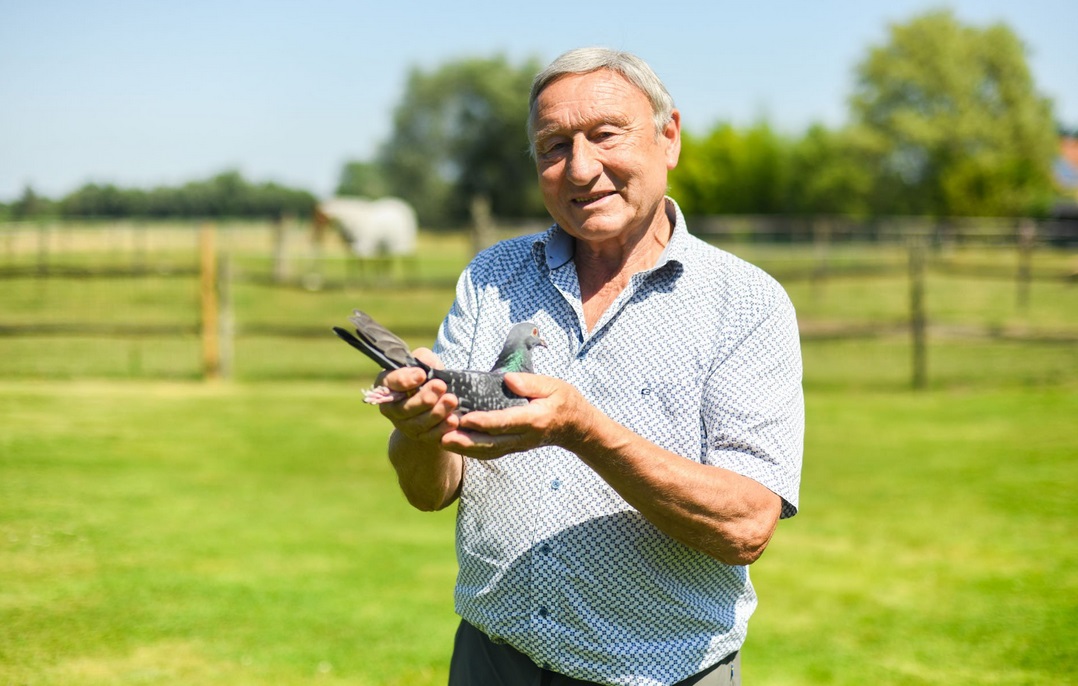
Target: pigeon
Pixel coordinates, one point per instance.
(476, 390)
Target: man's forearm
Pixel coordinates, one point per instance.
(717, 511)
(429, 476)
(714, 510)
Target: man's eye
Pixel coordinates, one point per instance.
(554, 148)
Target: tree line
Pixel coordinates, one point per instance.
(225, 195)
(944, 120)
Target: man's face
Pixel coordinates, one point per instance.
(602, 169)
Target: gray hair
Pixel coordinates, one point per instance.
(586, 60)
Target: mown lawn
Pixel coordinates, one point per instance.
(155, 529)
(252, 533)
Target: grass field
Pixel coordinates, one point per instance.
(168, 533)
(157, 529)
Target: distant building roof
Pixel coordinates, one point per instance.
(1065, 168)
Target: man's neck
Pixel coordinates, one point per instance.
(604, 270)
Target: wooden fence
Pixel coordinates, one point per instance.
(39, 254)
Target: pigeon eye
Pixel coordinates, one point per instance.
(535, 332)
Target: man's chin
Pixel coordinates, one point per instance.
(598, 231)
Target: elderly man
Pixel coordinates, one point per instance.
(604, 529)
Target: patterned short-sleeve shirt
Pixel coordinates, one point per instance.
(699, 355)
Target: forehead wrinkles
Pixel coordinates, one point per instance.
(575, 103)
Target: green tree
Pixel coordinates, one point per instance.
(363, 179)
(230, 195)
(30, 205)
(731, 171)
(108, 201)
(459, 133)
(951, 114)
(831, 172)
(226, 195)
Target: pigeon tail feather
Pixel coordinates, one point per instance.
(362, 346)
(378, 343)
(476, 390)
(388, 344)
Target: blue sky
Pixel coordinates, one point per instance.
(143, 93)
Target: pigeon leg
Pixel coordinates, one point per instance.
(381, 394)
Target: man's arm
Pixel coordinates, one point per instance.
(429, 475)
(717, 511)
(720, 512)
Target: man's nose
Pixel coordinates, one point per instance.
(584, 163)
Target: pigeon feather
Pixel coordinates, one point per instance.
(476, 390)
(377, 342)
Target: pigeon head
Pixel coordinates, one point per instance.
(516, 355)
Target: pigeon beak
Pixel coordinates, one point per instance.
(541, 342)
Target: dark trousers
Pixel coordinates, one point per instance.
(478, 661)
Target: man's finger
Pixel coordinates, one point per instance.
(531, 385)
(480, 445)
(427, 357)
(405, 379)
(497, 422)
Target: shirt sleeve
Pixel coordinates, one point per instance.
(753, 405)
(457, 332)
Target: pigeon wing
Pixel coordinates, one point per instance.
(481, 391)
(378, 343)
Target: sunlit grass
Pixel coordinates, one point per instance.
(253, 534)
(212, 533)
(175, 531)
(936, 544)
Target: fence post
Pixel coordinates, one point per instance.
(821, 242)
(226, 316)
(482, 225)
(1026, 233)
(281, 223)
(211, 360)
(917, 311)
(42, 248)
(140, 254)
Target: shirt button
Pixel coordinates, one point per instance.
(543, 612)
(555, 485)
(545, 548)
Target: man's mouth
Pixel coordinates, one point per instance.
(591, 198)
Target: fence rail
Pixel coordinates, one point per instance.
(219, 290)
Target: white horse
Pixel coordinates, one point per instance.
(372, 228)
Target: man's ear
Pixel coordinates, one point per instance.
(672, 136)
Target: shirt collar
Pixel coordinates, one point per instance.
(555, 247)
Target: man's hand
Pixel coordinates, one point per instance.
(557, 414)
(426, 415)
